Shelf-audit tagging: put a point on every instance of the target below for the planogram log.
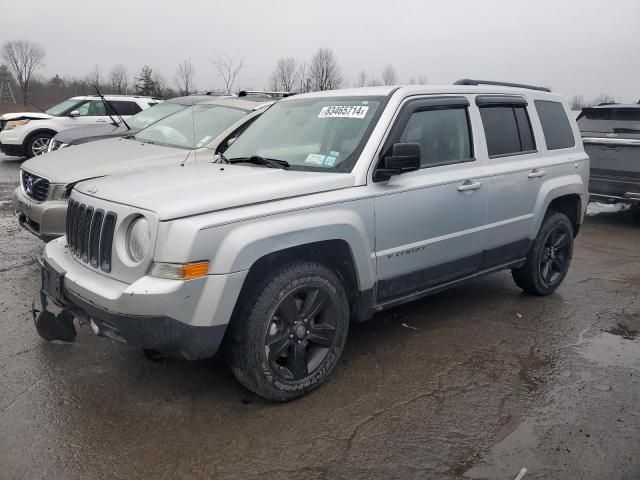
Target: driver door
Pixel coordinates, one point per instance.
(91, 112)
(429, 223)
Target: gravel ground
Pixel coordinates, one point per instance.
(476, 382)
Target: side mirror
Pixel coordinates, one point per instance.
(404, 157)
(74, 113)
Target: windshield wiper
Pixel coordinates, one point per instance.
(269, 162)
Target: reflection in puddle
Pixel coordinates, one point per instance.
(609, 350)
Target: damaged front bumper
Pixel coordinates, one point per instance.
(185, 319)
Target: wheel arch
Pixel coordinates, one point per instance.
(28, 138)
(566, 194)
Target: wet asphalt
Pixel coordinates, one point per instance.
(479, 382)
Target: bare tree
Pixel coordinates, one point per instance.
(119, 79)
(160, 85)
(362, 79)
(604, 98)
(285, 74)
(389, 76)
(303, 76)
(228, 68)
(184, 77)
(374, 82)
(23, 57)
(577, 102)
(422, 80)
(324, 71)
(94, 78)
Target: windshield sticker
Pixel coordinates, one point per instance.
(315, 159)
(343, 111)
(330, 161)
(334, 154)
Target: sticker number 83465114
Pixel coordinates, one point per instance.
(343, 111)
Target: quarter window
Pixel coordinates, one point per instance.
(443, 135)
(555, 125)
(125, 108)
(507, 129)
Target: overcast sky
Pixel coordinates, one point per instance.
(575, 46)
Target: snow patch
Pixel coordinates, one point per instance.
(599, 208)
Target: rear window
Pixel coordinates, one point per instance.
(507, 129)
(610, 119)
(555, 125)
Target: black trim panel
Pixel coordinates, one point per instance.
(418, 281)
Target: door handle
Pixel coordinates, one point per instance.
(535, 173)
(469, 185)
(101, 121)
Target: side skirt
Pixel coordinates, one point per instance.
(443, 286)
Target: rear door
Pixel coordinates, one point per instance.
(516, 171)
(429, 223)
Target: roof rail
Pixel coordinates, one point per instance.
(274, 94)
(469, 81)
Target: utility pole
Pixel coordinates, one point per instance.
(6, 94)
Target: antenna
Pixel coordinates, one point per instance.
(6, 94)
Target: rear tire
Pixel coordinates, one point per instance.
(291, 332)
(549, 258)
(38, 144)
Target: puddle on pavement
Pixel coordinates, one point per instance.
(609, 349)
(623, 331)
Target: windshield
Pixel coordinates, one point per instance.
(63, 107)
(151, 115)
(310, 133)
(192, 127)
(609, 119)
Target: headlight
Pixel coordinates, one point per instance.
(15, 123)
(138, 239)
(59, 191)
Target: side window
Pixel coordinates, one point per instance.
(92, 108)
(555, 125)
(444, 135)
(125, 108)
(507, 129)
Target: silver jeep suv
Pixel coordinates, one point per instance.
(331, 206)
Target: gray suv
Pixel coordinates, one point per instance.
(330, 207)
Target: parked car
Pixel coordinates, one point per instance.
(611, 137)
(331, 206)
(184, 137)
(27, 134)
(132, 125)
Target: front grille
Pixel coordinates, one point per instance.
(34, 186)
(90, 234)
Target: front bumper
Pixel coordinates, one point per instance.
(46, 220)
(180, 318)
(12, 150)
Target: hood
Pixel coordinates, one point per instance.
(91, 133)
(104, 157)
(176, 192)
(7, 117)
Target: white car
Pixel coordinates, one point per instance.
(27, 134)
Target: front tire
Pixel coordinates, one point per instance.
(38, 144)
(291, 333)
(549, 258)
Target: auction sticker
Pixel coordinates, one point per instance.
(314, 159)
(343, 111)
